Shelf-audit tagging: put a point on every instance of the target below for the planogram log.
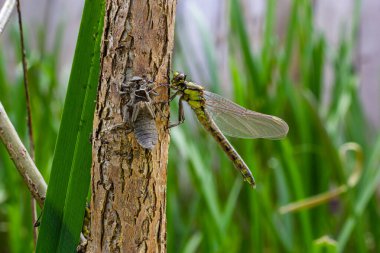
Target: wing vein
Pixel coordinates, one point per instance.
(236, 121)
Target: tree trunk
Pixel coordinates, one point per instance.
(128, 202)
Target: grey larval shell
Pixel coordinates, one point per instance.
(139, 111)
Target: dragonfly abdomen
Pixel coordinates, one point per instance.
(213, 129)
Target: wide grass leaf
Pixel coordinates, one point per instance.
(69, 180)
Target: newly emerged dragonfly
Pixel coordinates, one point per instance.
(219, 115)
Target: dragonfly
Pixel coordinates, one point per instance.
(220, 116)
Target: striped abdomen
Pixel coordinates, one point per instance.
(145, 129)
(207, 122)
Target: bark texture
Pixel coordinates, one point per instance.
(128, 203)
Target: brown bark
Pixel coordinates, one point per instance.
(128, 202)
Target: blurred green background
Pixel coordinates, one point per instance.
(210, 209)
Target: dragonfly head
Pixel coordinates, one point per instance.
(178, 80)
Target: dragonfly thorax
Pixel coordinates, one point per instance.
(179, 83)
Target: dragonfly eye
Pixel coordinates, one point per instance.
(179, 77)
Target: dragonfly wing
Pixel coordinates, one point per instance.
(236, 121)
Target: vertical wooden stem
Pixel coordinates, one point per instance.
(128, 202)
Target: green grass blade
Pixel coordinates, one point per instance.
(193, 244)
(71, 124)
(252, 65)
(370, 180)
(325, 245)
(80, 174)
(231, 203)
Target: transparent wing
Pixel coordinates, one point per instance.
(236, 121)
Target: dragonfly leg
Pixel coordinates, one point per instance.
(127, 123)
(174, 95)
(125, 113)
(170, 98)
(151, 110)
(118, 126)
(135, 112)
(181, 114)
(161, 102)
(154, 90)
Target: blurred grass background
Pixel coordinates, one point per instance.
(209, 208)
